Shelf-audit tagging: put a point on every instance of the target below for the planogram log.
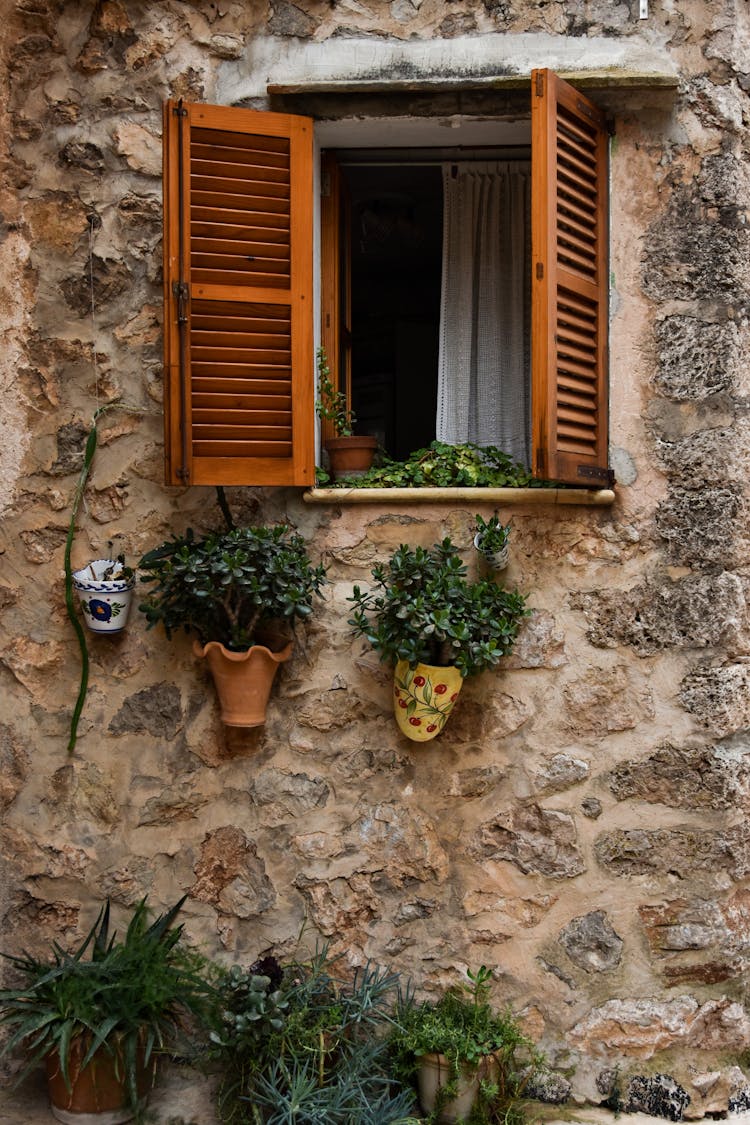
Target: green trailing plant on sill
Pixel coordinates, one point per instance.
(131, 996)
(300, 1043)
(444, 466)
(230, 586)
(463, 1027)
(422, 608)
(332, 405)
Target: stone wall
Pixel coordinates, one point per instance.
(581, 824)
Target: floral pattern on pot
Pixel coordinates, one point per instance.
(423, 698)
(105, 602)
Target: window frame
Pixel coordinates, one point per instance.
(582, 405)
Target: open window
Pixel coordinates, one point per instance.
(238, 291)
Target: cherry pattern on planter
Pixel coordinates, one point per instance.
(424, 698)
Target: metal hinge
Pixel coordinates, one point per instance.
(182, 293)
(603, 477)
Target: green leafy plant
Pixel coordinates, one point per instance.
(492, 534)
(463, 1027)
(422, 608)
(130, 997)
(332, 404)
(298, 1044)
(446, 466)
(231, 586)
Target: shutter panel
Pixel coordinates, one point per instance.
(569, 284)
(239, 364)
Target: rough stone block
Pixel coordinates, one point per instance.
(686, 777)
(534, 839)
(697, 358)
(591, 942)
(155, 710)
(718, 698)
(692, 612)
(703, 527)
(231, 876)
(683, 851)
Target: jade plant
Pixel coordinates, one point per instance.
(422, 608)
(230, 586)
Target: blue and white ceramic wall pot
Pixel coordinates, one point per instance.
(105, 589)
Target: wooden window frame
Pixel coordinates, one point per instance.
(569, 364)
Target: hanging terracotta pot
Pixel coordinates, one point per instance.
(105, 601)
(97, 1094)
(423, 698)
(243, 680)
(350, 456)
(434, 1073)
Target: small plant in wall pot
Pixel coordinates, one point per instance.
(240, 592)
(425, 616)
(349, 454)
(105, 590)
(492, 541)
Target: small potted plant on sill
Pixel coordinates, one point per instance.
(105, 590)
(471, 1063)
(437, 627)
(492, 541)
(239, 592)
(97, 1017)
(349, 454)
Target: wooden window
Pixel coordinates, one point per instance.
(569, 283)
(238, 278)
(239, 365)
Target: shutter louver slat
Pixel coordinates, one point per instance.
(248, 231)
(570, 295)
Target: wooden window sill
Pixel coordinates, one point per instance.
(585, 497)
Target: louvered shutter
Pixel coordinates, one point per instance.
(569, 284)
(239, 364)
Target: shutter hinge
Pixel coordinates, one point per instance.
(184, 474)
(539, 85)
(605, 478)
(610, 123)
(182, 293)
(179, 110)
(540, 271)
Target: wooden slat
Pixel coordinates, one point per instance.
(253, 142)
(570, 290)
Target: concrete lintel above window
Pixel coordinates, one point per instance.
(393, 497)
(361, 64)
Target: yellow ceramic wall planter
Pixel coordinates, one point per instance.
(423, 698)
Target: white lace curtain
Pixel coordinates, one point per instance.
(484, 360)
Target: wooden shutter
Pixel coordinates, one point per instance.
(239, 364)
(569, 284)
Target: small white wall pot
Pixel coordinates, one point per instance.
(496, 560)
(105, 601)
(434, 1072)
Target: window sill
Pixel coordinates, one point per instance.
(585, 497)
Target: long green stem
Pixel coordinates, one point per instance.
(69, 599)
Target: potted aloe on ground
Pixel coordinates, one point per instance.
(471, 1062)
(349, 454)
(239, 592)
(437, 627)
(97, 1017)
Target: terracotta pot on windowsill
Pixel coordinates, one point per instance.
(350, 456)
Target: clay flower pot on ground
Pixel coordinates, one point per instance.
(424, 615)
(239, 592)
(97, 1016)
(105, 589)
(469, 1061)
(349, 454)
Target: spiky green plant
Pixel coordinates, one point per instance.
(130, 997)
(300, 1044)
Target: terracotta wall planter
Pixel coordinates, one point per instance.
(243, 680)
